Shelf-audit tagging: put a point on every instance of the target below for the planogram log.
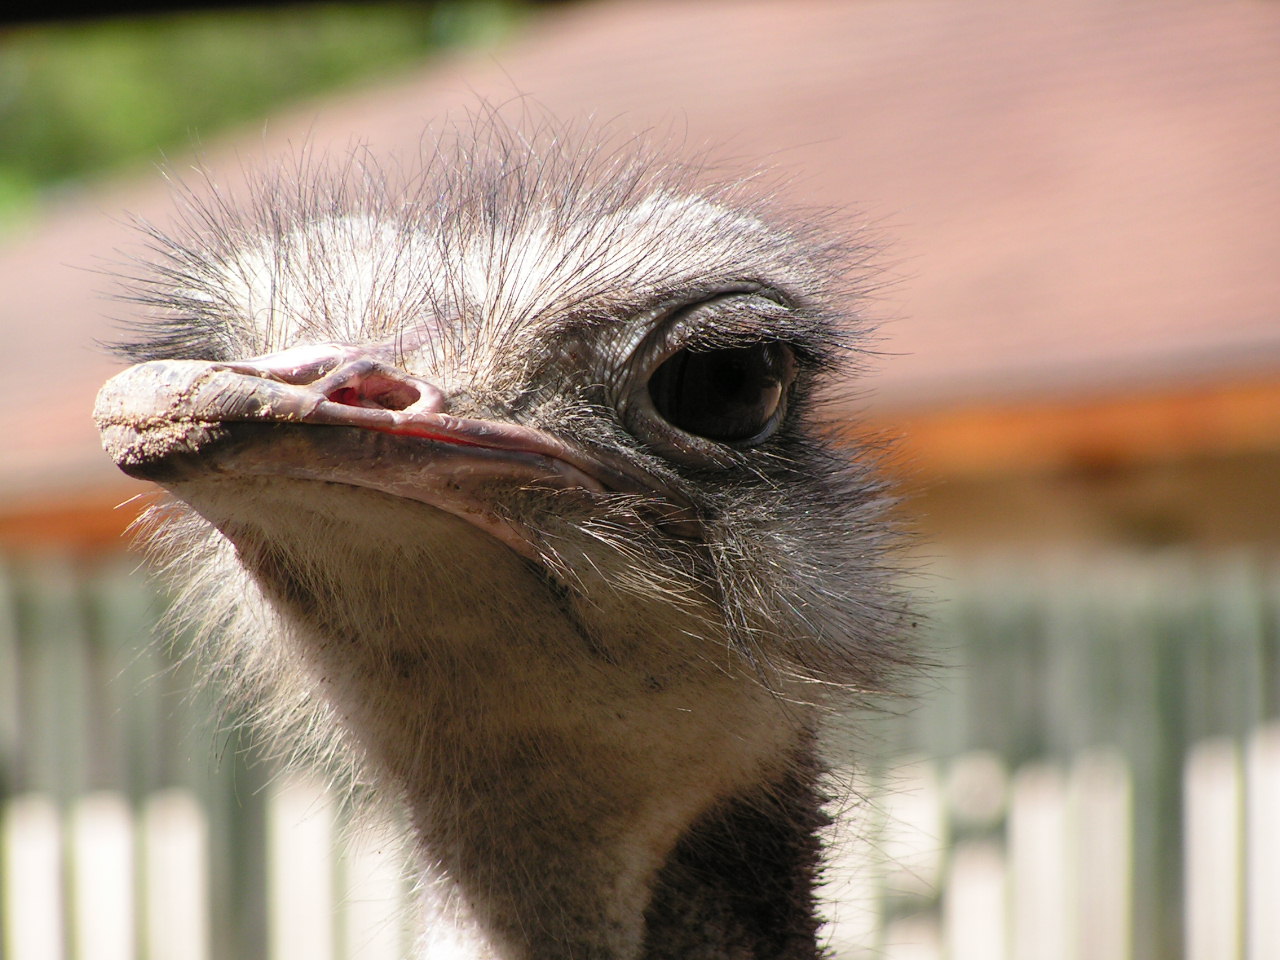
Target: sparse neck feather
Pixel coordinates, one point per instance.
(581, 786)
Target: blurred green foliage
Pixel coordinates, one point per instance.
(79, 98)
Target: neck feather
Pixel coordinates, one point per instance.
(581, 786)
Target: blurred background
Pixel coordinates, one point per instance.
(1077, 205)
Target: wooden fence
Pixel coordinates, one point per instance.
(1093, 772)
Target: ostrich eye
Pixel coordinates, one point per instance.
(729, 395)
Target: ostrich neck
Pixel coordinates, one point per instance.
(580, 788)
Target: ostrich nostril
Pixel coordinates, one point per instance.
(376, 390)
(347, 374)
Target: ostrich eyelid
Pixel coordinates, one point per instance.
(676, 333)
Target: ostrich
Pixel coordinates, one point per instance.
(506, 481)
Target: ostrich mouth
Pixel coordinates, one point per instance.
(339, 414)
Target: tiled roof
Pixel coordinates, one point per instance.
(1077, 196)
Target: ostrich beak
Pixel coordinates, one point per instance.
(177, 421)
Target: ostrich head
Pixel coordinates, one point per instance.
(506, 480)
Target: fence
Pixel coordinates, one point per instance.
(1095, 774)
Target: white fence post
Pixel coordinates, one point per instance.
(1039, 852)
(175, 876)
(1101, 855)
(1212, 867)
(851, 893)
(33, 867)
(975, 919)
(373, 909)
(915, 828)
(1262, 867)
(102, 871)
(911, 938)
(300, 870)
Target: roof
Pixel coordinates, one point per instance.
(1079, 198)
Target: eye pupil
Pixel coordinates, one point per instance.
(729, 395)
(729, 380)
